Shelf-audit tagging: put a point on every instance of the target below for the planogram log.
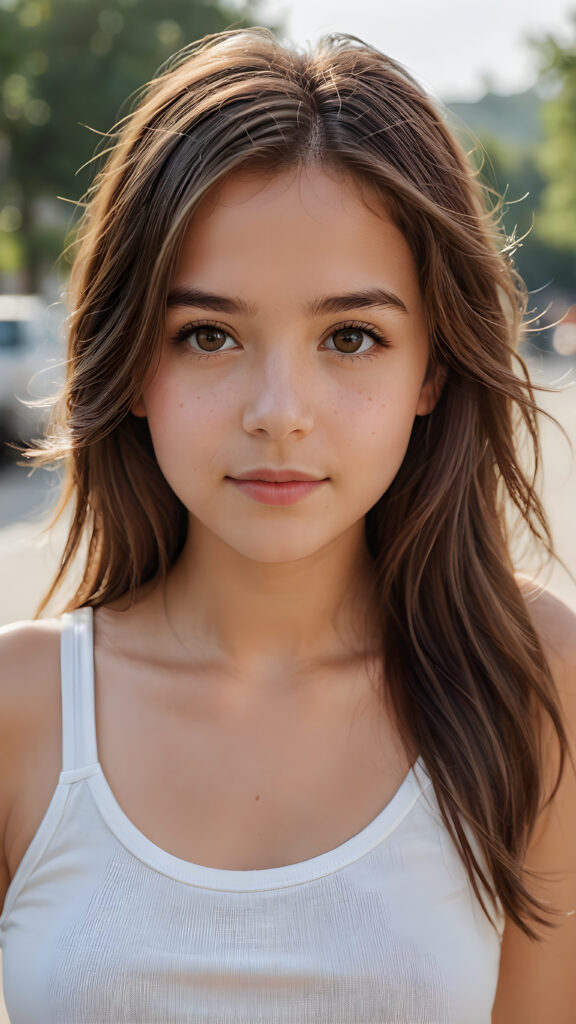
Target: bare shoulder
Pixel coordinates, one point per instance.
(29, 686)
(555, 625)
(29, 651)
(29, 718)
(29, 689)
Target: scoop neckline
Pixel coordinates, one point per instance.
(136, 842)
(224, 879)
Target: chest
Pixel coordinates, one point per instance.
(389, 932)
(247, 782)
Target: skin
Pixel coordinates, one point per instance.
(260, 587)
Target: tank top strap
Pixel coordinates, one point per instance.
(79, 749)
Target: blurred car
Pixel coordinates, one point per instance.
(30, 364)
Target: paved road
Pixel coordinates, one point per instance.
(28, 557)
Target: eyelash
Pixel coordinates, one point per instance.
(184, 332)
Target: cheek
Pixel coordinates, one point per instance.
(176, 421)
(378, 420)
(373, 435)
(178, 413)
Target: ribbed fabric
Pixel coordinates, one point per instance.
(101, 926)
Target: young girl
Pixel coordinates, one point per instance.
(297, 750)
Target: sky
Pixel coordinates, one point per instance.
(454, 47)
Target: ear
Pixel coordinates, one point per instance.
(138, 408)
(432, 387)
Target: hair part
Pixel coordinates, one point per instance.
(462, 661)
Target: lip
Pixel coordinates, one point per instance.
(267, 492)
(279, 476)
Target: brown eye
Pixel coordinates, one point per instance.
(209, 338)
(203, 339)
(355, 340)
(348, 339)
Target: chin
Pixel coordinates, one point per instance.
(276, 554)
(285, 547)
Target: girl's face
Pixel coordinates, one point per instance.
(295, 339)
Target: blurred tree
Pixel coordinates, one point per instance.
(524, 147)
(502, 134)
(557, 156)
(67, 68)
(515, 174)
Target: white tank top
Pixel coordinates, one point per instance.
(101, 926)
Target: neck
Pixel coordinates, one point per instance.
(251, 617)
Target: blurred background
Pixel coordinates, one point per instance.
(506, 71)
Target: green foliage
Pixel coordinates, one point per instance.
(510, 172)
(557, 223)
(515, 182)
(11, 255)
(522, 155)
(67, 69)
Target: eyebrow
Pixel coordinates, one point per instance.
(187, 296)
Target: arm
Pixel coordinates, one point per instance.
(29, 728)
(537, 981)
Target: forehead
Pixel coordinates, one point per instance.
(310, 226)
(322, 192)
(331, 185)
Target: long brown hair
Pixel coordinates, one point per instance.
(463, 664)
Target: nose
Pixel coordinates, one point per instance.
(278, 396)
